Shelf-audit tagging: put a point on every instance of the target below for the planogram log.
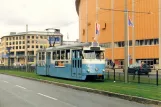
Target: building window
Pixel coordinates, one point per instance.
(40, 46)
(37, 37)
(23, 42)
(142, 42)
(10, 38)
(19, 47)
(119, 44)
(23, 47)
(17, 38)
(32, 46)
(16, 42)
(130, 43)
(45, 37)
(13, 38)
(23, 37)
(151, 42)
(7, 38)
(37, 46)
(32, 41)
(28, 37)
(28, 41)
(10, 43)
(32, 37)
(19, 42)
(116, 44)
(13, 47)
(137, 43)
(147, 42)
(41, 37)
(156, 41)
(6, 43)
(16, 47)
(106, 45)
(28, 46)
(13, 43)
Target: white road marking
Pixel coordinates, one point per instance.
(56, 99)
(47, 96)
(20, 87)
(6, 81)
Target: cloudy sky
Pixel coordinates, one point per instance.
(39, 15)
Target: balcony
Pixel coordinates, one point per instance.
(20, 55)
(12, 55)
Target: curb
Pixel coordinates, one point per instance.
(106, 93)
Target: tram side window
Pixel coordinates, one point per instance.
(80, 55)
(54, 55)
(67, 54)
(43, 55)
(58, 54)
(63, 54)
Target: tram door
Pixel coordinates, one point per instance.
(48, 58)
(76, 64)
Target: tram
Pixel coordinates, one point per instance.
(78, 61)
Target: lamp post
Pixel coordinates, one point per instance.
(26, 52)
(8, 49)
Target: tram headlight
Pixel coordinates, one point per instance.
(103, 70)
(88, 70)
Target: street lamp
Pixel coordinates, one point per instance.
(8, 49)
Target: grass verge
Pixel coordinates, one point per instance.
(133, 89)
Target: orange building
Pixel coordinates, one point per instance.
(143, 37)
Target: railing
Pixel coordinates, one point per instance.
(18, 68)
(117, 74)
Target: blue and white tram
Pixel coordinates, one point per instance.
(78, 61)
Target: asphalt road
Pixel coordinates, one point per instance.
(18, 92)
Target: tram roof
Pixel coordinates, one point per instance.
(71, 46)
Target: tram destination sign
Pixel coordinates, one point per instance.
(95, 48)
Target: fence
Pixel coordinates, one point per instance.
(153, 77)
(18, 68)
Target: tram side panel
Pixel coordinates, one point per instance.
(66, 71)
(41, 64)
(60, 69)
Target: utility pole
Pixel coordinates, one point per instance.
(112, 26)
(96, 36)
(133, 32)
(159, 34)
(86, 20)
(26, 52)
(126, 41)
(8, 49)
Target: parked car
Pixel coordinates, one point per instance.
(139, 68)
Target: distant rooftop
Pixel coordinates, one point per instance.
(56, 33)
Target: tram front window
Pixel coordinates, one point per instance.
(93, 54)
